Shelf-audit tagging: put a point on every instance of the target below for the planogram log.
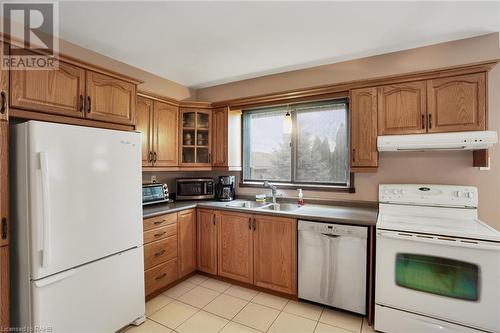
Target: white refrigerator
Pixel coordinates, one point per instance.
(77, 256)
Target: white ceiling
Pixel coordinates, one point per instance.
(200, 44)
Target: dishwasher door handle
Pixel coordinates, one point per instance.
(330, 235)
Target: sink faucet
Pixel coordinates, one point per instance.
(274, 189)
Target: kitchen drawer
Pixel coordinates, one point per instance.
(159, 221)
(160, 251)
(160, 276)
(160, 233)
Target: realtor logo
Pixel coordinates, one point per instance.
(30, 28)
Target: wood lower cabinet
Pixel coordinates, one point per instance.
(457, 103)
(402, 108)
(110, 99)
(160, 276)
(235, 246)
(160, 252)
(275, 253)
(186, 231)
(60, 91)
(207, 241)
(4, 288)
(364, 128)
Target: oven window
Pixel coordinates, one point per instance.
(440, 276)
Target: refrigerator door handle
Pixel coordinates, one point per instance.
(55, 278)
(44, 173)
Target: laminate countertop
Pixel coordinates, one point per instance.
(351, 213)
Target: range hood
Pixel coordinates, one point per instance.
(438, 141)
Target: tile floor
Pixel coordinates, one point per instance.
(204, 305)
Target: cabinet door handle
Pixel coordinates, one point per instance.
(158, 222)
(159, 253)
(82, 102)
(213, 219)
(160, 234)
(250, 223)
(150, 157)
(154, 157)
(430, 121)
(4, 228)
(159, 277)
(354, 155)
(89, 106)
(254, 224)
(423, 121)
(209, 157)
(4, 102)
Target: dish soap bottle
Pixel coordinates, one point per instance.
(300, 202)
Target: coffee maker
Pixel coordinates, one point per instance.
(225, 188)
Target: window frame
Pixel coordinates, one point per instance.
(293, 183)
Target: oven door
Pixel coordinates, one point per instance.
(446, 278)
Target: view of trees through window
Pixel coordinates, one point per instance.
(316, 152)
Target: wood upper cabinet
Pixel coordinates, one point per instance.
(186, 226)
(364, 127)
(457, 103)
(402, 108)
(110, 99)
(4, 85)
(275, 253)
(195, 127)
(235, 246)
(4, 183)
(165, 134)
(144, 124)
(207, 241)
(60, 91)
(220, 137)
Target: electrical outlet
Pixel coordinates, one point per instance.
(153, 179)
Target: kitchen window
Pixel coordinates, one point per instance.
(303, 144)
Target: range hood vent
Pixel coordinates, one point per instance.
(438, 141)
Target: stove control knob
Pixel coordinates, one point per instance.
(457, 194)
(395, 191)
(469, 195)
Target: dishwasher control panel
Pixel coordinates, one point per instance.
(333, 229)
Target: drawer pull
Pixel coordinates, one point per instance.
(159, 277)
(157, 254)
(159, 222)
(160, 234)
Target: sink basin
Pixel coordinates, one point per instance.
(284, 207)
(248, 204)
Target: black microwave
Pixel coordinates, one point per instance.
(154, 193)
(195, 188)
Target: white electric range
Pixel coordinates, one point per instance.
(437, 264)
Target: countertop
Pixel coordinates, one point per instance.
(343, 214)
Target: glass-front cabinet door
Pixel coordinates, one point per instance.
(195, 137)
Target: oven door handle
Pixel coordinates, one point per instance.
(441, 241)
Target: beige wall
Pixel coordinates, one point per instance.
(437, 168)
(152, 83)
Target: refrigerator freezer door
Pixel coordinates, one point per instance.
(102, 296)
(84, 194)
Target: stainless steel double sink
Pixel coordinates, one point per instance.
(283, 207)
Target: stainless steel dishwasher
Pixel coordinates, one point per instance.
(332, 264)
